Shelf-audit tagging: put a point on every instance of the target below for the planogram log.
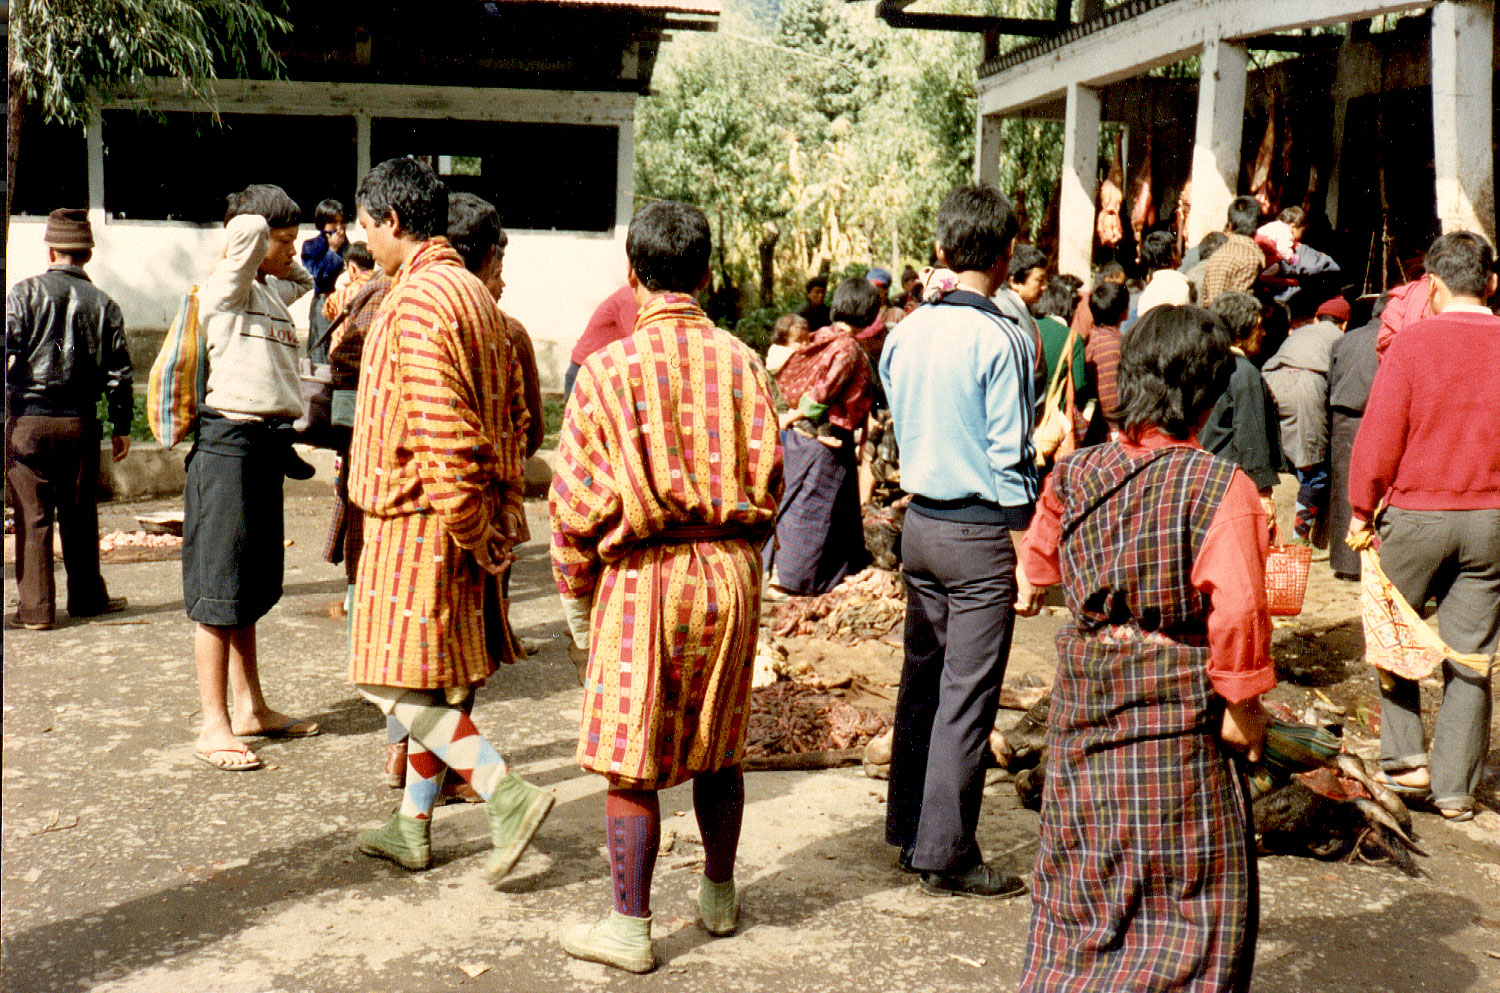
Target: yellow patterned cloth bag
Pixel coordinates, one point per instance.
(179, 376)
(1397, 639)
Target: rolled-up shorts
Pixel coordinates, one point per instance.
(232, 552)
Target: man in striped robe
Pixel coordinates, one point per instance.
(436, 467)
(666, 487)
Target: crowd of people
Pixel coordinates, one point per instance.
(695, 477)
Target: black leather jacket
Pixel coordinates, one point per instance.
(64, 345)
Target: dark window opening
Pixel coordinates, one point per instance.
(52, 169)
(180, 167)
(539, 176)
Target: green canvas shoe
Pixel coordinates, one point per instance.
(620, 941)
(718, 907)
(515, 810)
(406, 841)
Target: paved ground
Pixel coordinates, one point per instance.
(129, 866)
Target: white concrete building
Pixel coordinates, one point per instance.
(528, 103)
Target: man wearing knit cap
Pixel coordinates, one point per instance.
(64, 345)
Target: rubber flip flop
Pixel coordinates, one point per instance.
(247, 762)
(289, 730)
(1402, 789)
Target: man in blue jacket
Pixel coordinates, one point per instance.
(958, 375)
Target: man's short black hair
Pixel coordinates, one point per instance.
(474, 229)
(1023, 259)
(327, 212)
(270, 202)
(856, 302)
(817, 283)
(1240, 312)
(410, 190)
(1058, 300)
(1174, 364)
(1110, 272)
(1109, 303)
(1212, 242)
(358, 253)
(668, 246)
(975, 226)
(1464, 261)
(1159, 251)
(1244, 215)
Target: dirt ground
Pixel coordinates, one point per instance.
(129, 867)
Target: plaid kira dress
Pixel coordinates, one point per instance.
(1146, 875)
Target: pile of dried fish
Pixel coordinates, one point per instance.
(866, 607)
(789, 718)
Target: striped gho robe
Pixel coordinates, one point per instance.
(673, 427)
(436, 457)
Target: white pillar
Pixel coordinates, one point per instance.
(1462, 108)
(625, 178)
(987, 150)
(1216, 140)
(1080, 182)
(94, 142)
(362, 161)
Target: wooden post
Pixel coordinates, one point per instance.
(1462, 112)
(1216, 142)
(1080, 182)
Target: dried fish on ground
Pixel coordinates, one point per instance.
(868, 606)
(788, 718)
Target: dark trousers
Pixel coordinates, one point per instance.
(1344, 427)
(1453, 555)
(52, 472)
(960, 597)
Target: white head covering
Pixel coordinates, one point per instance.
(1166, 287)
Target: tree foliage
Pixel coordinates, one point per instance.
(818, 118)
(70, 55)
(65, 58)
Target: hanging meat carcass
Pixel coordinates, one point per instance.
(1108, 228)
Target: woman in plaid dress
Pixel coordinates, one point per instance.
(1146, 875)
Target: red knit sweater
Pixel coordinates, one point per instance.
(1430, 437)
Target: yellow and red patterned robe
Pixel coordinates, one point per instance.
(671, 427)
(436, 458)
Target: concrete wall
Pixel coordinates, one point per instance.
(553, 279)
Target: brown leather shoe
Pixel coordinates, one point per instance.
(455, 790)
(395, 764)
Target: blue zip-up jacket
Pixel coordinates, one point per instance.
(321, 262)
(958, 376)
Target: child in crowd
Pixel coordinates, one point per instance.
(789, 333)
(323, 258)
(1281, 238)
(359, 266)
(1108, 304)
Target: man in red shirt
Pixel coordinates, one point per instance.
(613, 320)
(1427, 448)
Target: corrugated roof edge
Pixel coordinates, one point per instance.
(1109, 18)
(709, 8)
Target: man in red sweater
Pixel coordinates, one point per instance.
(613, 320)
(1427, 446)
